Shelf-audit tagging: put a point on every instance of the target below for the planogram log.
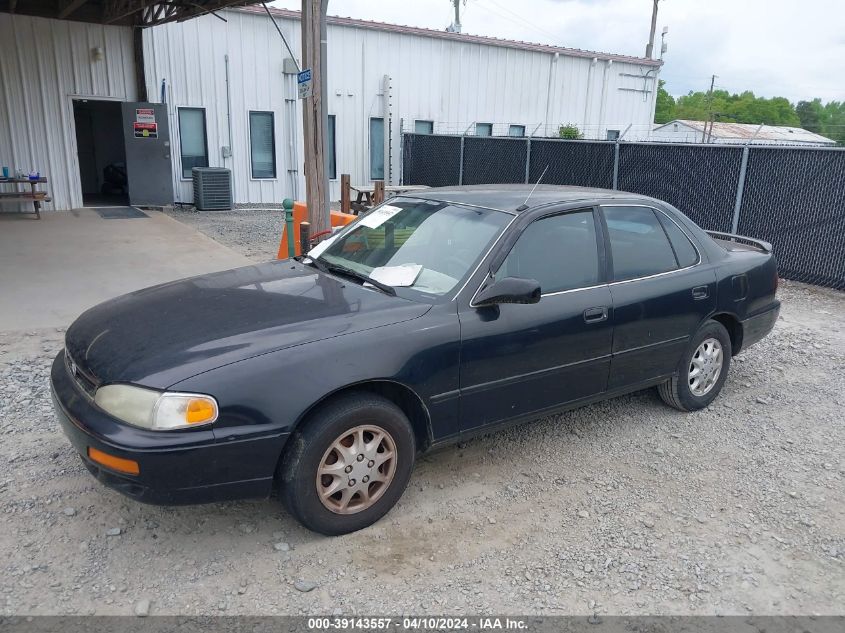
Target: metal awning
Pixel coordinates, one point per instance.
(126, 12)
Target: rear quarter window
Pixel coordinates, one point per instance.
(684, 250)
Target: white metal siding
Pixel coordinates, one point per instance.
(449, 82)
(44, 64)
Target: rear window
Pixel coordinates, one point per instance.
(638, 244)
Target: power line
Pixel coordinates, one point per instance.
(515, 16)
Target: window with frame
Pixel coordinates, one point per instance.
(193, 147)
(612, 135)
(376, 148)
(639, 246)
(484, 129)
(332, 152)
(685, 252)
(516, 130)
(559, 251)
(423, 127)
(262, 145)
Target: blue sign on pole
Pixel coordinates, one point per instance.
(304, 85)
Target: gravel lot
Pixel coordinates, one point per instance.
(623, 507)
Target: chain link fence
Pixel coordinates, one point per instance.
(791, 197)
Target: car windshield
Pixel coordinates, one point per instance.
(426, 246)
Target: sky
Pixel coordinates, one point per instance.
(789, 48)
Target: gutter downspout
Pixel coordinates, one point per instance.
(552, 66)
(589, 95)
(229, 126)
(385, 95)
(602, 107)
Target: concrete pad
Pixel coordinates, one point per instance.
(53, 269)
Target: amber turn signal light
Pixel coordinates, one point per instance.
(199, 411)
(119, 464)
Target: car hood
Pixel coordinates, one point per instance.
(162, 335)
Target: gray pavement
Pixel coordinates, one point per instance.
(53, 269)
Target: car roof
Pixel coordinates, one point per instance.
(511, 198)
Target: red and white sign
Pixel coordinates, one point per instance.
(145, 115)
(145, 130)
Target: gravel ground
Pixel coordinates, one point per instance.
(625, 507)
(255, 233)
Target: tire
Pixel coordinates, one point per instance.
(331, 440)
(681, 391)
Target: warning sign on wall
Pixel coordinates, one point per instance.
(145, 115)
(145, 130)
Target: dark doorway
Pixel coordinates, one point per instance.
(101, 151)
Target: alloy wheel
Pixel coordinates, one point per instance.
(705, 367)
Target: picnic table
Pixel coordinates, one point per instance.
(33, 196)
(366, 192)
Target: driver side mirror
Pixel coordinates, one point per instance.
(509, 290)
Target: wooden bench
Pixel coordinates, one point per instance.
(34, 197)
(369, 195)
(20, 197)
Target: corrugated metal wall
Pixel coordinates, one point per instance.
(44, 64)
(452, 83)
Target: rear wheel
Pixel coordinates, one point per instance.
(348, 465)
(702, 370)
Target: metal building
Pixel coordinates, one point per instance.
(231, 99)
(685, 131)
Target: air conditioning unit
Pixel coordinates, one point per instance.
(212, 188)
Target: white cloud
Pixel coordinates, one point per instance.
(772, 47)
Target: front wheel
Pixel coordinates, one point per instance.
(702, 371)
(348, 465)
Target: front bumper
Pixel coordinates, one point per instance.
(176, 467)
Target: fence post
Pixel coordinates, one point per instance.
(345, 194)
(616, 165)
(528, 162)
(461, 164)
(739, 189)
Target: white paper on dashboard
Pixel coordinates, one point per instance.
(397, 276)
(377, 217)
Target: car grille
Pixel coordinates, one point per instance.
(85, 382)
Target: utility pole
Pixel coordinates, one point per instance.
(709, 107)
(455, 27)
(649, 48)
(315, 115)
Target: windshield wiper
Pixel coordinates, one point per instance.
(348, 272)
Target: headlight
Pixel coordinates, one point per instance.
(156, 410)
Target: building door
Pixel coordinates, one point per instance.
(99, 146)
(149, 166)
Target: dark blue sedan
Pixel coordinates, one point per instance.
(429, 319)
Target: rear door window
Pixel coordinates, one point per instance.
(638, 244)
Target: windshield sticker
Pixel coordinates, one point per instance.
(377, 217)
(397, 276)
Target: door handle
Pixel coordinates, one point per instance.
(595, 315)
(700, 292)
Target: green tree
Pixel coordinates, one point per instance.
(570, 131)
(827, 119)
(811, 113)
(664, 110)
(833, 121)
(744, 107)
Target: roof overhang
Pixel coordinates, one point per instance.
(140, 13)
